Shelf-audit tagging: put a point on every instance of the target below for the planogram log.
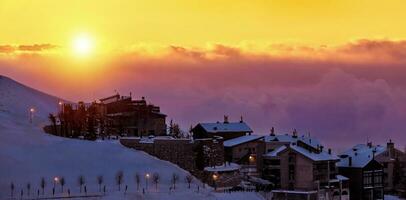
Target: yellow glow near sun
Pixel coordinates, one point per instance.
(82, 45)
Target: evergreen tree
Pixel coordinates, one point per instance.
(52, 118)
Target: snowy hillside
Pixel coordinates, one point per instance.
(27, 154)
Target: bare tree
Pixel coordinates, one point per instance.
(100, 181)
(155, 179)
(189, 179)
(175, 178)
(29, 188)
(12, 187)
(62, 182)
(137, 180)
(43, 184)
(119, 179)
(81, 182)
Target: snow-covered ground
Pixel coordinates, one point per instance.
(390, 197)
(27, 154)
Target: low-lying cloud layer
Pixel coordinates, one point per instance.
(342, 95)
(26, 48)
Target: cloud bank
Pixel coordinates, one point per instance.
(26, 48)
(343, 95)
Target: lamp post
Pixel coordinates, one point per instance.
(31, 111)
(146, 181)
(60, 103)
(56, 179)
(215, 177)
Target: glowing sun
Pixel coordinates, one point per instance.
(82, 45)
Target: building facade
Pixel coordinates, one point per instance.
(246, 151)
(301, 169)
(365, 173)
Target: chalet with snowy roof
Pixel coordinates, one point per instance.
(365, 172)
(246, 151)
(227, 130)
(225, 175)
(273, 140)
(393, 161)
(300, 171)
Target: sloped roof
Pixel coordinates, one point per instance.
(313, 142)
(226, 127)
(322, 156)
(276, 151)
(361, 155)
(223, 168)
(241, 140)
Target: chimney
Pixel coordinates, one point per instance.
(241, 121)
(390, 146)
(349, 161)
(321, 148)
(272, 131)
(294, 133)
(225, 119)
(373, 153)
(329, 151)
(369, 144)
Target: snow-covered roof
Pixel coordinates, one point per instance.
(341, 177)
(290, 139)
(241, 140)
(322, 156)
(259, 180)
(276, 151)
(361, 155)
(294, 191)
(223, 168)
(226, 127)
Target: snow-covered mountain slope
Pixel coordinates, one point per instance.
(27, 154)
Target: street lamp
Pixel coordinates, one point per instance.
(60, 103)
(56, 179)
(32, 110)
(215, 177)
(146, 181)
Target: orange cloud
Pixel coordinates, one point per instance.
(36, 47)
(26, 48)
(7, 49)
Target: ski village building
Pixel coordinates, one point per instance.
(114, 115)
(300, 168)
(132, 117)
(226, 130)
(373, 170)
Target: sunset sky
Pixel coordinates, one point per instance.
(334, 68)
